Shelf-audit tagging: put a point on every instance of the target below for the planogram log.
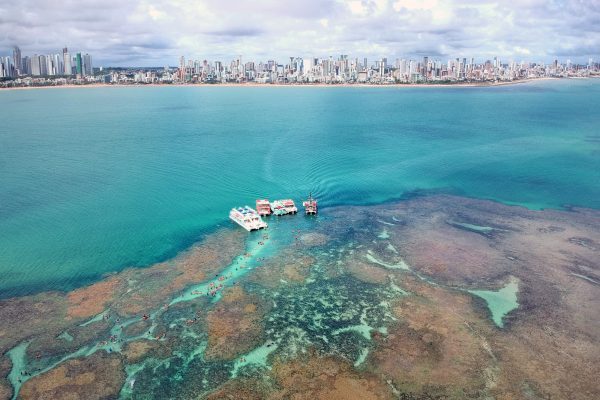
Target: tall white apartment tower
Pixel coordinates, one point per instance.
(67, 67)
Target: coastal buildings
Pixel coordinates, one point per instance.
(54, 69)
(345, 70)
(45, 65)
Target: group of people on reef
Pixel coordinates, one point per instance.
(24, 373)
(213, 289)
(262, 242)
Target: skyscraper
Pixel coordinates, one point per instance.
(68, 69)
(18, 61)
(182, 68)
(87, 65)
(43, 65)
(79, 64)
(26, 65)
(5, 67)
(35, 65)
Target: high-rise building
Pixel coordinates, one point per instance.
(26, 65)
(50, 65)
(68, 68)
(5, 67)
(17, 60)
(79, 64)
(58, 65)
(87, 65)
(182, 68)
(35, 65)
(43, 65)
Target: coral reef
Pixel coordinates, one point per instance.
(99, 376)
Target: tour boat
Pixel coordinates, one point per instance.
(283, 207)
(263, 207)
(247, 218)
(310, 205)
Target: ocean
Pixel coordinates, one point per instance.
(95, 180)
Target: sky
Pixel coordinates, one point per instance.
(157, 33)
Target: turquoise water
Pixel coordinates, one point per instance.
(93, 180)
(500, 302)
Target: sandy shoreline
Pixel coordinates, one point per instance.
(317, 85)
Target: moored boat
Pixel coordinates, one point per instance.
(283, 207)
(247, 218)
(310, 205)
(263, 207)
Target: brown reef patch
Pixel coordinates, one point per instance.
(29, 316)
(138, 350)
(52, 346)
(549, 345)
(307, 377)
(235, 324)
(286, 268)
(241, 389)
(548, 363)
(99, 376)
(137, 328)
(314, 377)
(367, 272)
(438, 346)
(91, 300)
(5, 387)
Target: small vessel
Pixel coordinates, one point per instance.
(283, 207)
(263, 207)
(247, 218)
(310, 205)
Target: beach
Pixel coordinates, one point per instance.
(277, 85)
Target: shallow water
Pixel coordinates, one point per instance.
(95, 180)
(500, 302)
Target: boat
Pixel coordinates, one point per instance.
(247, 218)
(310, 205)
(263, 207)
(283, 207)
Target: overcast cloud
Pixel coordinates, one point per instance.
(157, 32)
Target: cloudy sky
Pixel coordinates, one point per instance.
(157, 32)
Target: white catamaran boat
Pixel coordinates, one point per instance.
(247, 218)
(284, 207)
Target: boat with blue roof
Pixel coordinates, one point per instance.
(247, 218)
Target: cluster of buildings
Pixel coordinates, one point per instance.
(345, 70)
(46, 65)
(65, 68)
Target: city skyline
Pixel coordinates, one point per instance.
(144, 34)
(77, 68)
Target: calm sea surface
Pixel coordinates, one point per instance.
(95, 180)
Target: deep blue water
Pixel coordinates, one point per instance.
(93, 180)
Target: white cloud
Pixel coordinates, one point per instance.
(156, 32)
